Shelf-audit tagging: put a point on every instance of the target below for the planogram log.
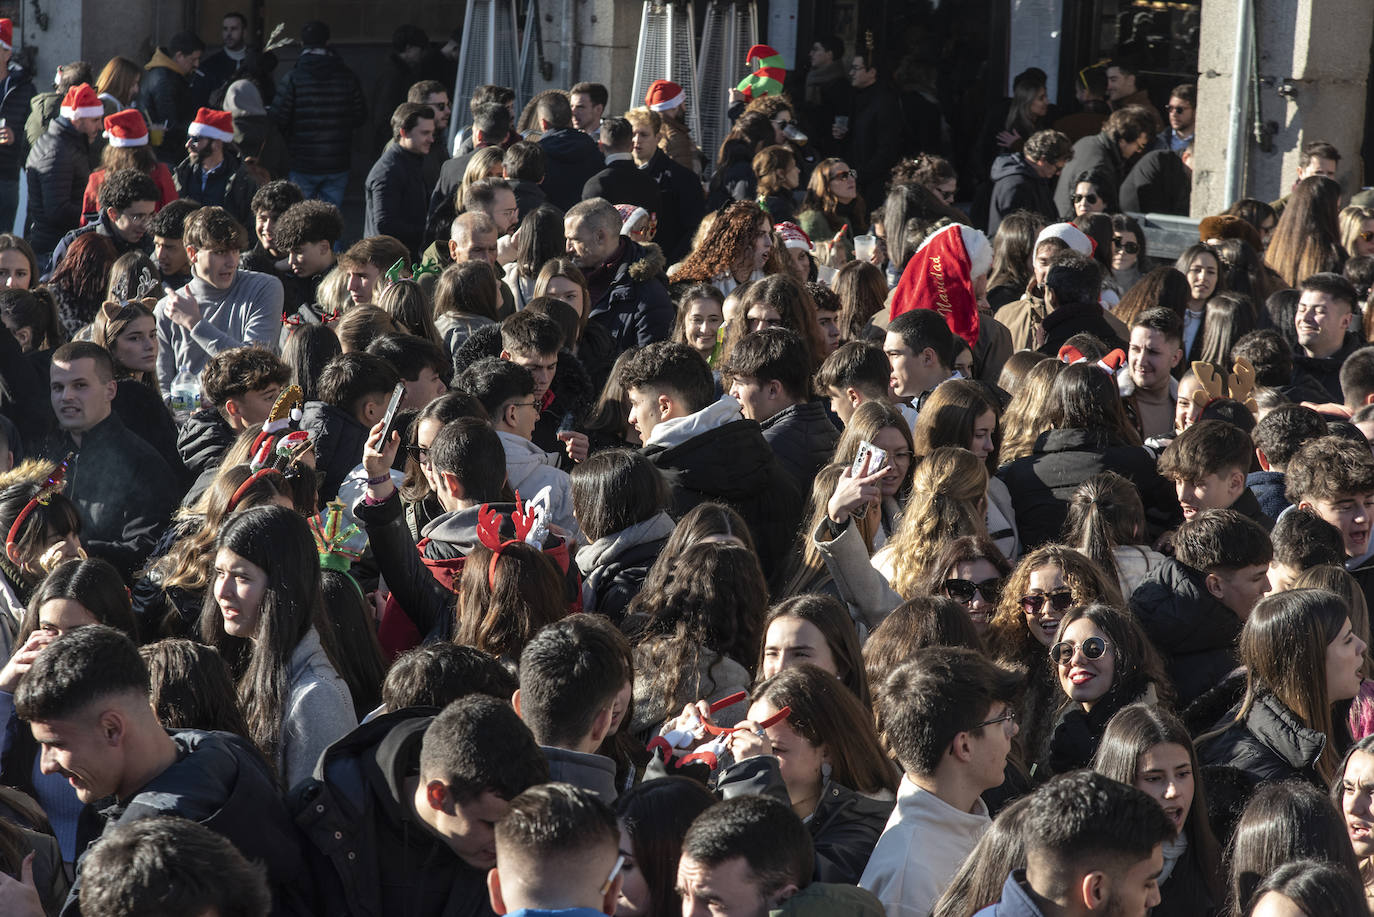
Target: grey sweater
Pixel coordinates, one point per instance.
(319, 710)
(249, 312)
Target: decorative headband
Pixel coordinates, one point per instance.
(417, 271)
(286, 412)
(1238, 385)
(528, 525)
(338, 544)
(1110, 364)
(247, 485)
(45, 493)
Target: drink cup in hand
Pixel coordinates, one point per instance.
(864, 246)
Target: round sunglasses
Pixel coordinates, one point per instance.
(1092, 648)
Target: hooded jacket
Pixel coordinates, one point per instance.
(318, 107)
(104, 227)
(230, 186)
(58, 167)
(18, 92)
(1270, 743)
(632, 302)
(221, 782)
(530, 470)
(570, 159)
(1324, 371)
(1098, 153)
(614, 567)
(366, 849)
(1017, 186)
(255, 133)
(715, 454)
(1196, 634)
(803, 439)
(1043, 483)
(165, 96)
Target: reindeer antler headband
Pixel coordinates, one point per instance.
(45, 493)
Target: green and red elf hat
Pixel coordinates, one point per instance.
(766, 80)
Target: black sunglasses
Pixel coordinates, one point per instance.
(1059, 599)
(962, 590)
(1130, 248)
(1092, 648)
(1176, 109)
(1090, 198)
(1366, 237)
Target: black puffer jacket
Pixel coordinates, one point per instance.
(1043, 483)
(1017, 186)
(803, 439)
(845, 826)
(58, 167)
(221, 782)
(339, 440)
(1270, 743)
(733, 464)
(14, 108)
(633, 303)
(318, 107)
(570, 158)
(1196, 634)
(203, 440)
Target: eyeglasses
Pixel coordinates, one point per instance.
(1176, 109)
(1090, 198)
(1059, 599)
(526, 404)
(141, 218)
(1006, 716)
(419, 453)
(846, 174)
(962, 590)
(1092, 648)
(1130, 248)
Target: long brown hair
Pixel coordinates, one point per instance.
(949, 416)
(1307, 239)
(1027, 415)
(946, 502)
(503, 602)
(862, 291)
(829, 616)
(1104, 512)
(732, 237)
(118, 78)
(1164, 287)
(1009, 636)
(112, 319)
(820, 199)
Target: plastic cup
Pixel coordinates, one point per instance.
(864, 246)
(842, 122)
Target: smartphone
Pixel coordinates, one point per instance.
(389, 418)
(867, 460)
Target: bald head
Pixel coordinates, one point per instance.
(473, 238)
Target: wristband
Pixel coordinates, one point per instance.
(372, 482)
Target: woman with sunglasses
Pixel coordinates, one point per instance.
(1302, 660)
(963, 413)
(1103, 661)
(826, 757)
(1148, 748)
(971, 571)
(1357, 230)
(1128, 251)
(832, 202)
(1044, 586)
(1092, 192)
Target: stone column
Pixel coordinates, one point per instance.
(1313, 61)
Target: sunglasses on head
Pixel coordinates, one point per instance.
(1092, 648)
(1059, 599)
(1130, 248)
(962, 590)
(1090, 198)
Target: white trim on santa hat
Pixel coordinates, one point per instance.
(672, 103)
(125, 141)
(93, 111)
(201, 129)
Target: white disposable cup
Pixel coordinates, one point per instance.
(864, 246)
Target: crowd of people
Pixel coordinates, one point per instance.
(801, 528)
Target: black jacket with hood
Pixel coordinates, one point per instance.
(614, 566)
(1196, 634)
(339, 439)
(367, 852)
(319, 105)
(1270, 743)
(571, 157)
(1017, 186)
(1326, 371)
(729, 461)
(57, 167)
(634, 305)
(165, 96)
(221, 782)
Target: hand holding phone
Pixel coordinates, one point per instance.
(389, 418)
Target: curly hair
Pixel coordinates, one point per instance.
(923, 169)
(1009, 637)
(731, 240)
(945, 503)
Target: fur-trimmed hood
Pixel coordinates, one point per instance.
(651, 263)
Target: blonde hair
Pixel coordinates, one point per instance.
(479, 167)
(947, 493)
(1024, 419)
(1351, 219)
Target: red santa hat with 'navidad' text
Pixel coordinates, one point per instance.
(217, 125)
(81, 102)
(940, 276)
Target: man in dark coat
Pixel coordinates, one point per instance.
(318, 107)
(874, 138)
(622, 182)
(127, 200)
(1073, 288)
(523, 165)
(398, 853)
(58, 167)
(1161, 182)
(164, 95)
(395, 187)
(624, 279)
(211, 174)
(216, 68)
(1325, 309)
(125, 491)
(707, 450)
(16, 92)
(491, 126)
(400, 71)
(1108, 152)
(683, 201)
(1025, 180)
(571, 157)
(769, 374)
(87, 703)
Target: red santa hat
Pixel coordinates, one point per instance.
(217, 125)
(793, 236)
(664, 95)
(940, 276)
(126, 128)
(81, 102)
(7, 34)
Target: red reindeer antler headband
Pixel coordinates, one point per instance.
(45, 492)
(489, 532)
